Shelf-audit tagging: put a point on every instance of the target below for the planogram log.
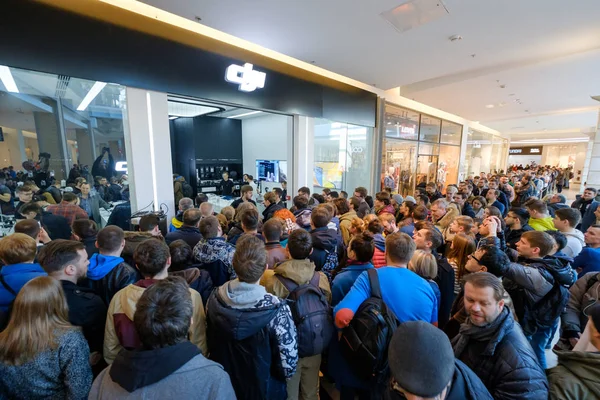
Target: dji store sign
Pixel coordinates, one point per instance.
(246, 77)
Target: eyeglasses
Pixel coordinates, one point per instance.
(475, 258)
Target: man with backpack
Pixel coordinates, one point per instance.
(324, 242)
(310, 295)
(539, 286)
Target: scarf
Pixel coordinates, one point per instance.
(492, 333)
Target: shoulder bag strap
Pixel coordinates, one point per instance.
(10, 290)
(288, 283)
(314, 281)
(374, 281)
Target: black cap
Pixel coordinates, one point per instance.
(421, 358)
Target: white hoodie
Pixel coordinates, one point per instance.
(575, 243)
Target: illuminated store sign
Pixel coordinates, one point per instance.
(526, 151)
(247, 78)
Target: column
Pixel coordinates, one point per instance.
(462, 170)
(304, 153)
(51, 135)
(21, 142)
(85, 145)
(591, 169)
(148, 147)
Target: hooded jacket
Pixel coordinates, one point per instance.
(466, 385)
(583, 294)
(346, 224)
(576, 376)
(132, 241)
(120, 332)
(252, 334)
(109, 274)
(197, 279)
(16, 276)
(325, 242)
(269, 211)
(299, 271)
(379, 254)
(176, 221)
(529, 280)
(176, 372)
(513, 236)
(502, 357)
(575, 243)
(542, 224)
(216, 256)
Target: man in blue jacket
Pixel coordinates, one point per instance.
(17, 251)
(589, 258)
(587, 205)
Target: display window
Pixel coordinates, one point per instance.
(431, 154)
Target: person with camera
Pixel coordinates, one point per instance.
(103, 168)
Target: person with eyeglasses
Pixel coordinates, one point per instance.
(434, 372)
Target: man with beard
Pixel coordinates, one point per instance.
(492, 344)
(517, 223)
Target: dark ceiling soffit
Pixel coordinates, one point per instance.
(130, 20)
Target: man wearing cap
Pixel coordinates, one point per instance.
(433, 372)
(493, 345)
(577, 374)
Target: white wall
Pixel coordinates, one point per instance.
(266, 137)
(524, 159)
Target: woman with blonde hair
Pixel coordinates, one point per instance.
(461, 248)
(424, 264)
(42, 356)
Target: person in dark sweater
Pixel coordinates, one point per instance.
(67, 261)
(189, 232)
(517, 223)
(182, 264)
(86, 232)
(56, 226)
(325, 243)
(226, 185)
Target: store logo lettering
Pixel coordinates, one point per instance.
(246, 77)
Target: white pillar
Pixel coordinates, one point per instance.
(148, 146)
(462, 170)
(21, 142)
(304, 153)
(591, 168)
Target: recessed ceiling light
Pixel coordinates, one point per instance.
(489, 106)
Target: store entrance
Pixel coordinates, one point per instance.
(217, 148)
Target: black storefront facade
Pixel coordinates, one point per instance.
(98, 41)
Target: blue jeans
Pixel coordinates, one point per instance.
(538, 342)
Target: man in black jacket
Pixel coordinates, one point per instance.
(492, 344)
(517, 223)
(189, 232)
(433, 371)
(56, 226)
(272, 205)
(108, 272)
(465, 208)
(67, 261)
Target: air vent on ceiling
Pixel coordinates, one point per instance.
(61, 86)
(415, 13)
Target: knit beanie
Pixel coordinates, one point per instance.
(594, 313)
(421, 358)
(398, 198)
(410, 198)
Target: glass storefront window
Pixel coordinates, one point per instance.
(399, 160)
(451, 133)
(401, 123)
(342, 156)
(429, 151)
(430, 129)
(485, 153)
(53, 123)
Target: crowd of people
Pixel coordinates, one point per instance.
(453, 295)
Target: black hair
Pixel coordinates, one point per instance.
(560, 238)
(521, 213)
(495, 260)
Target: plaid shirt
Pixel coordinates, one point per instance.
(70, 211)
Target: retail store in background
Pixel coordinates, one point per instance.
(175, 102)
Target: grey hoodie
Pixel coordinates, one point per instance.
(575, 243)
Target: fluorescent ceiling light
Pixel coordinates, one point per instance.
(245, 114)
(173, 117)
(94, 91)
(7, 79)
(188, 110)
(541, 141)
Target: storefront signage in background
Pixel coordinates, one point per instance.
(248, 78)
(526, 151)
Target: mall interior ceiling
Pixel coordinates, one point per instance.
(528, 69)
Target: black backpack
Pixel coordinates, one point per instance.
(5, 315)
(364, 343)
(312, 315)
(187, 190)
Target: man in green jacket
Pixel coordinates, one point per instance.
(577, 374)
